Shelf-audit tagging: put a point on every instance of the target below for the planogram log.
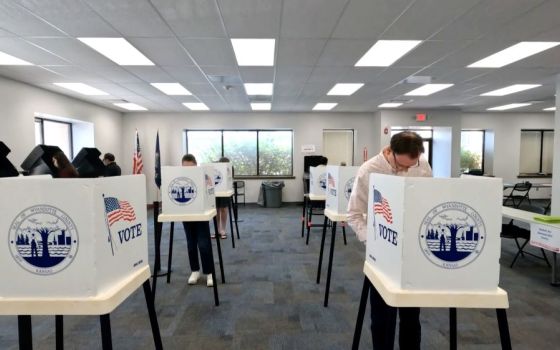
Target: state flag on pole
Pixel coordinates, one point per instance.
(158, 163)
(137, 165)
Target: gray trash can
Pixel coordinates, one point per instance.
(270, 195)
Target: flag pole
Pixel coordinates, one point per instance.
(108, 227)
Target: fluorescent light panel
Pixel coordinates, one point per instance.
(172, 89)
(386, 52)
(511, 89)
(258, 88)
(9, 60)
(118, 50)
(390, 105)
(550, 109)
(509, 106)
(342, 89)
(513, 53)
(254, 52)
(196, 106)
(324, 106)
(131, 106)
(261, 106)
(83, 89)
(428, 89)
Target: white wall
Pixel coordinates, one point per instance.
(308, 129)
(19, 102)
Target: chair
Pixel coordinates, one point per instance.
(239, 189)
(511, 231)
(518, 194)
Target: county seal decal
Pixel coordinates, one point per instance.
(348, 188)
(323, 181)
(43, 239)
(452, 235)
(182, 191)
(217, 177)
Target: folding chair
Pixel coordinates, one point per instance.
(518, 194)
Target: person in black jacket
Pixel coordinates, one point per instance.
(111, 168)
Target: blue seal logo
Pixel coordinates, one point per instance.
(182, 191)
(218, 177)
(323, 181)
(348, 188)
(452, 235)
(43, 240)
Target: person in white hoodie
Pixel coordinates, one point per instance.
(402, 157)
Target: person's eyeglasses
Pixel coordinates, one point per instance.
(400, 167)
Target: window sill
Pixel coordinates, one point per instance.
(287, 177)
(536, 175)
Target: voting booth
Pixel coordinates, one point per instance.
(222, 175)
(340, 180)
(69, 238)
(187, 190)
(432, 234)
(318, 180)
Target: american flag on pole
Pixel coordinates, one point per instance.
(117, 210)
(381, 206)
(137, 165)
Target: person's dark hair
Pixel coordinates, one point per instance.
(109, 156)
(189, 158)
(407, 142)
(65, 168)
(223, 160)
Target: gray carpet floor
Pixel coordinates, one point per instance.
(271, 300)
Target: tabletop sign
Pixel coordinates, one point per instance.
(546, 237)
(223, 176)
(340, 180)
(71, 237)
(318, 180)
(187, 189)
(433, 234)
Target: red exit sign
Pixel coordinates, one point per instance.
(421, 117)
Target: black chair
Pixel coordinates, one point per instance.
(519, 193)
(476, 172)
(239, 190)
(511, 231)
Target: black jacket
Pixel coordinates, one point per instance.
(112, 170)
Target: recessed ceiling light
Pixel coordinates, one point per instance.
(513, 53)
(344, 89)
(386, 52)
(131, 106)
(390, 105)
(261, 106)
(9, 60)
(258, 88)
(428, 89)
(83, 89)
(254, 52)
(324, 106)
(118, 50)
(509, 106)
(550, 109)
(511, 89)
(196, 106)
(172, 89)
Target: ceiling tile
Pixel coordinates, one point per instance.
(17, 19)
(72, 50)
(339, 52)
(185, 74)
(29, 52)
(150, 74)
(210, 52)
(301, 52)
(257, 74)
(163, 51)
(201, 89)
(29, 74)
(251, 18)
(327, 74)
(75, 74)
(310, 18)
(191, 18)
(292, 74)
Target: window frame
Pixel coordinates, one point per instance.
(70, 133)
(258, 175)
(540, 172)
(483, 145)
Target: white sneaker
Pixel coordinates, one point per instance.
(194, 277)
(209, 281)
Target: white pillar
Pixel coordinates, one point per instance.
(556, 161)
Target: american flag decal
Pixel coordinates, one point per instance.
(381, 206)
(117, 210)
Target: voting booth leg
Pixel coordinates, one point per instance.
(303, 221)
(153, 315)
(361, 314)
(308, 221)
(107, 343)
(453, 328)
(235, 218)
(170, 254)
(230, 226)
(329, 270)
(554, 280)
(219, 246)
(344, 232)
(59, 328)
(504, 329)
(321, 250)
(24, 331)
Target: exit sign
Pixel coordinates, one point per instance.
(421, 117)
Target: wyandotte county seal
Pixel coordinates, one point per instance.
(452, 235)
(348, 187)
(323, 181)
(182, 191)
(217, 177)
(43, 240)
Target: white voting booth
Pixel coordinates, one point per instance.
(427, 234)
(71, 238)
(318, 180)
(340, 180)
(187, 190)
(223, 176)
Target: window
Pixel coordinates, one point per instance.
(54, 133)
(251, 152)
(472, 150)
(535, 156)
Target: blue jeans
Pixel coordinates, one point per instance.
(198, 238)
(383, 318)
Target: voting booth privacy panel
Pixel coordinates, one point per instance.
(65, 238)
(318, 180)
(222, 174)
(340, 180)
(187, 190)
(431, 234)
